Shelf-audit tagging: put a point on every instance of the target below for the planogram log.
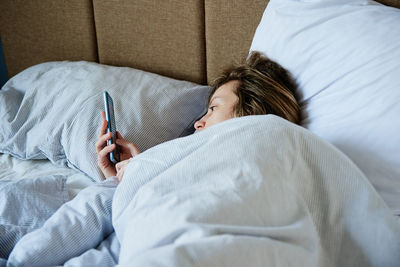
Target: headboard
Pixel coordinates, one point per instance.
(190, 40)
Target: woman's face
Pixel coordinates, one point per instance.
(220, 107)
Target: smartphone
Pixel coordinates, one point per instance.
(111, 127)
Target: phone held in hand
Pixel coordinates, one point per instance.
(111, 127)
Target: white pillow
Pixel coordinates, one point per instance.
(345, 55)
(52, 110)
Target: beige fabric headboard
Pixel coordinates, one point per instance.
(191, 40)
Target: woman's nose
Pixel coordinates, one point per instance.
(199, 125)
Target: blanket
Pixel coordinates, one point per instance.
(251, 191)
(25, 204)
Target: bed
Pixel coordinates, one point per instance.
(251, 191)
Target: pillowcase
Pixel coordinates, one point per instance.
(345, 55)
(52, 110)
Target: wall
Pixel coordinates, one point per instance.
(3, 69)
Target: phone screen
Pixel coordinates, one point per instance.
(111, 127)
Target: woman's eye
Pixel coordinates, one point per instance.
(212, 108)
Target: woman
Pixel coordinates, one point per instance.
(259, 86)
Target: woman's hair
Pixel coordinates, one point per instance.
(264, 88)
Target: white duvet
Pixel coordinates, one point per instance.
(251, 191)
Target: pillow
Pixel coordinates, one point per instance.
(345, 55)
(52, 110)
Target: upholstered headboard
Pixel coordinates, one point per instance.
(191, 40)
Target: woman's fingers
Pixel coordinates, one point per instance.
(103, 115)
(103, 135)
(121, 142)
(128, 148)
(102, 141)
(102, 149)
(103, 128)
(106, 166)
(105, 151)
(119, 136)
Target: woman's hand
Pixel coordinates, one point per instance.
(102, 149)
(127, 150)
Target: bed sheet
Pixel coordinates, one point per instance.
(30, 192)
(12, 168)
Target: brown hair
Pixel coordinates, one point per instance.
(264, 87)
